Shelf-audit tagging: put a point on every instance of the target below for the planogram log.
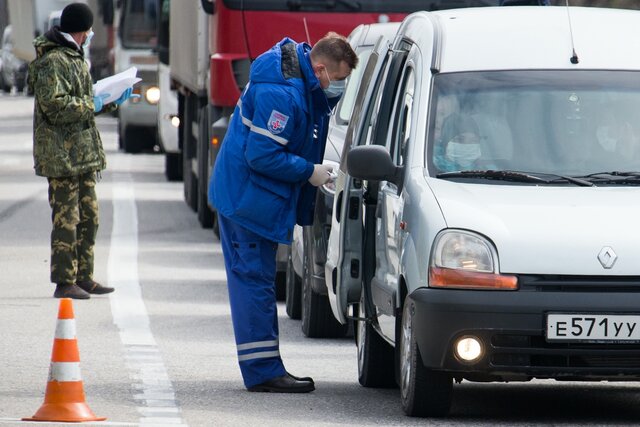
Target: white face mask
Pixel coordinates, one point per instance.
(463, 154)
(87, 41)
(335, 88)
(607, 142)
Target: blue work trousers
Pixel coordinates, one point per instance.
(250, 262)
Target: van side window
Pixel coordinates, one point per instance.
(402, 120)
(380, 120)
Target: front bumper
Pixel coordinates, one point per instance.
(511, 327)
(140, 114)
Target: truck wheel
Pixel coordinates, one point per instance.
(317, 318)
(173, 166)
(205, 215)
(216, 225)
(190, 182)
(375, 356)
(424, 392)
(292, 297)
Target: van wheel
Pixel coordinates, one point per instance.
(293, 285)
(375, 355)
(424, 392)
(131, 139)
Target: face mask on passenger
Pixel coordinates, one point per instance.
(335, 88)
(607, 142)
(463, 153)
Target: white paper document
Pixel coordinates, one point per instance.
(115, 85)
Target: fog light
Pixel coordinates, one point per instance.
(468, 349)
(175, 121)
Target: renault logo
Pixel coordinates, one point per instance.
(607, 257)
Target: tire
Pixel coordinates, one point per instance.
(5, 87)
(173, 166)
(216, 227)
(424, 392)
(317, 318)
(293, 289)
(131, 140)
(205, 214)
(189, 179)
(281, 286)
(190, 184)
(376, 358)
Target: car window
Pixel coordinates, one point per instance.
(402, 122)
(382, 111)
(346, 104)
(558, 122)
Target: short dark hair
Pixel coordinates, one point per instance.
(336, 48)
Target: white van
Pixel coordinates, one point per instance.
(486, 217)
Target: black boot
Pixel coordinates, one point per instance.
(94, 287)
(69, 290)
(284, 384)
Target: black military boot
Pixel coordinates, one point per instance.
(94, 287)
(70, 290)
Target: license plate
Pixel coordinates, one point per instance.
(593, 327)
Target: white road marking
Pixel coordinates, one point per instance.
(153, 391)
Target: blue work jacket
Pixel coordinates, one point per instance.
(277, 132)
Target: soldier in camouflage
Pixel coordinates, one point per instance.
(67, 148)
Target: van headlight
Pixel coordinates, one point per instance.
(465, 260)
(152, 95)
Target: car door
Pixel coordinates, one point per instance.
(346, 249)
(389, 225)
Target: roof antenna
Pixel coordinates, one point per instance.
(306, 29)
(574, 56)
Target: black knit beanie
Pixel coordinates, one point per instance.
(76, 18)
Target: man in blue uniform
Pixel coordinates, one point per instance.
(264, 182)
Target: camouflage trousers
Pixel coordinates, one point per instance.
(74, 214)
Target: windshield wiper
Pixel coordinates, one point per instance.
(517, 176)
(614, 177)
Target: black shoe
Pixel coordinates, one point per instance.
(94, 287)
(284, 384)
(308, 379)
(66, 290)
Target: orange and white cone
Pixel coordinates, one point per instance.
(64, 397)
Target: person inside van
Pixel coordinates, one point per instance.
(617, 142)
(458, 147)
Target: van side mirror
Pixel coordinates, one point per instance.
(373, 163)
(209, 6)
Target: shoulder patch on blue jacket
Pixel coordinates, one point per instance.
(277, 122)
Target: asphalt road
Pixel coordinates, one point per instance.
(159, 351)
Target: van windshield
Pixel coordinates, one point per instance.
(138, 24)
(571, 123)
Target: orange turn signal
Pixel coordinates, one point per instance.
(460, 279)
(215, 141)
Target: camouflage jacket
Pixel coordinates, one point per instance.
(66, 141)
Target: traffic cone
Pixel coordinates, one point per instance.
(64, 397)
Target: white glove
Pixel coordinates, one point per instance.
(321, 175)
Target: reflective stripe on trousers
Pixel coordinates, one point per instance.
(250, 262)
